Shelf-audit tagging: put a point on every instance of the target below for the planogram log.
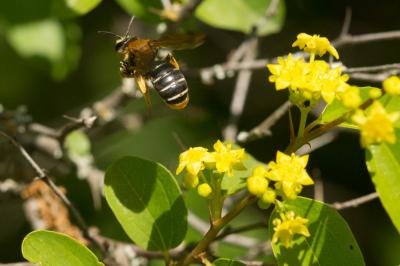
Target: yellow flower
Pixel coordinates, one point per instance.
(351, 97)
(190, 181)
(193, 160)
(288, 226)
(315, 45)
(392, 85)
(227, 159)
(375, 93)
(257, 184)
(288, 73)
(204, 190)
(289, 173)
(269, 196)
(376, 124)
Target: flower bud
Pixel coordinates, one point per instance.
(204, 190)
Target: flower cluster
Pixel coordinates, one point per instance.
(288, 226)
(289, 174)
(313, 80)
(376, 124)
(392, 85)
(315, 45)
(223, 159)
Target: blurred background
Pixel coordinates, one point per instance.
(54, 63)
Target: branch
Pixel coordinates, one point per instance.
(366, 38)
(264, 128)
(188, 9)
(353, 203)
(240, 91)
(44, 177)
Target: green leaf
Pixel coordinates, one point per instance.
(383, 162)
(48, 40)
(232, 184)
(227, 262)
(331, 241)
(392, 104)
(49, 248)
(77, 142)
(82, 7)
(147, 202)
(142, 8)
(241, 15)
(44, 38)
(336, 109)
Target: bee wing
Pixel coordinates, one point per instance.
(179, 41)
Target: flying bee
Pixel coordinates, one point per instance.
(139, 60)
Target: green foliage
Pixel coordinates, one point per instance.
(142, 8)
(77, 142)
(147, 202)
(81, 7)
(49, 248)
(383, 163)
(241, 15)
(336, 109)
(331, 241)
(233, 184)
(227, 262)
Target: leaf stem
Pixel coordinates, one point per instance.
(215, 228)
(303, 120)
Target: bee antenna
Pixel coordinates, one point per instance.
(109, 33)
(129, 26)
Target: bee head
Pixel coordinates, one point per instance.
(122, 43)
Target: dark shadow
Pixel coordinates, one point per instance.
(132, 181)
(170, 228)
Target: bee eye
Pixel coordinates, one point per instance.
(118, 45)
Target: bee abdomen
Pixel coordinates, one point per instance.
(170, 84)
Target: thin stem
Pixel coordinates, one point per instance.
(241, 229)
(303, 120)
(215, 228)
(291, 127)
(355, 202)
(294, 146)
(167, 258)
(217, 200)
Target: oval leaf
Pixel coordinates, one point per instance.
(241, 15)
(147, 202)
(81, 7)
(383, 163)
(49, 248)
(227, 262)
(331, 241)
(143, 9)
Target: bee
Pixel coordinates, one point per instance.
(140, 60)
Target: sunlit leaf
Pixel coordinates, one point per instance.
(82, 6)
(77, 142)
(242, 15)
(383, 163)
(49, 248)
(336, 109)
(43, 38)
(48, 40)
(142, 8)
(331, 242)
(147, 202)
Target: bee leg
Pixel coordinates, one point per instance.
(172, 60)
(141, 83)
(124, 70)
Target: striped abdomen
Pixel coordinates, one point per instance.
(170, 84)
